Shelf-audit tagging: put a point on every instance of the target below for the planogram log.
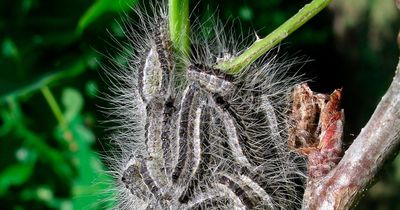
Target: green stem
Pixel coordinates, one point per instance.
(261, 46)
(179, 25)
(55, 108)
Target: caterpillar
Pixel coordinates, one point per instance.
(199, 138)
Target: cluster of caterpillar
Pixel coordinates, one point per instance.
(199, 138)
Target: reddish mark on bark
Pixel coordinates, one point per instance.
(317, 129)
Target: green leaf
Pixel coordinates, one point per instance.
(25, 155)
(81, 132)
(73, 103)
(8, 122)
(47, 154)
(14, 175)
(99, 8)
(9, 49)
(246, 13)
(87, 162)
(92, 178)
(91, 88)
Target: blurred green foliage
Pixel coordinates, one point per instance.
(51, 140)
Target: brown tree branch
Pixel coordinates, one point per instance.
(377, 142)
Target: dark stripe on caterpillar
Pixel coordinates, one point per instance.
(193, 142)
(212, 80)
(148, 180)
(239, 191)
(250, 192)
(168, 134)
(217, 196)
(153, 140)
(156, 74)
(234, 141)
(184, 114)
(133, 180)
(164, 51)
(203, 166)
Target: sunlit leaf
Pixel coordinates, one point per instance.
(25, 155)
(84, 133)
(73, 103)
(91, 88)
(44, 193)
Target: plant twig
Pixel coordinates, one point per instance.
(261, 46)
(55, 108)
(179, 25)
(378, 142)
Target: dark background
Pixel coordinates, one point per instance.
(50, 150)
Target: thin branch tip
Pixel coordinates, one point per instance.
(237, 64)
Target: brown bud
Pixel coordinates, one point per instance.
(321, 142)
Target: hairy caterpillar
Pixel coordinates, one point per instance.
(199, 139)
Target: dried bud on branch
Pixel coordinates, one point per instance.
(318, 129)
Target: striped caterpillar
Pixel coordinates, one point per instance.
(200, 139)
